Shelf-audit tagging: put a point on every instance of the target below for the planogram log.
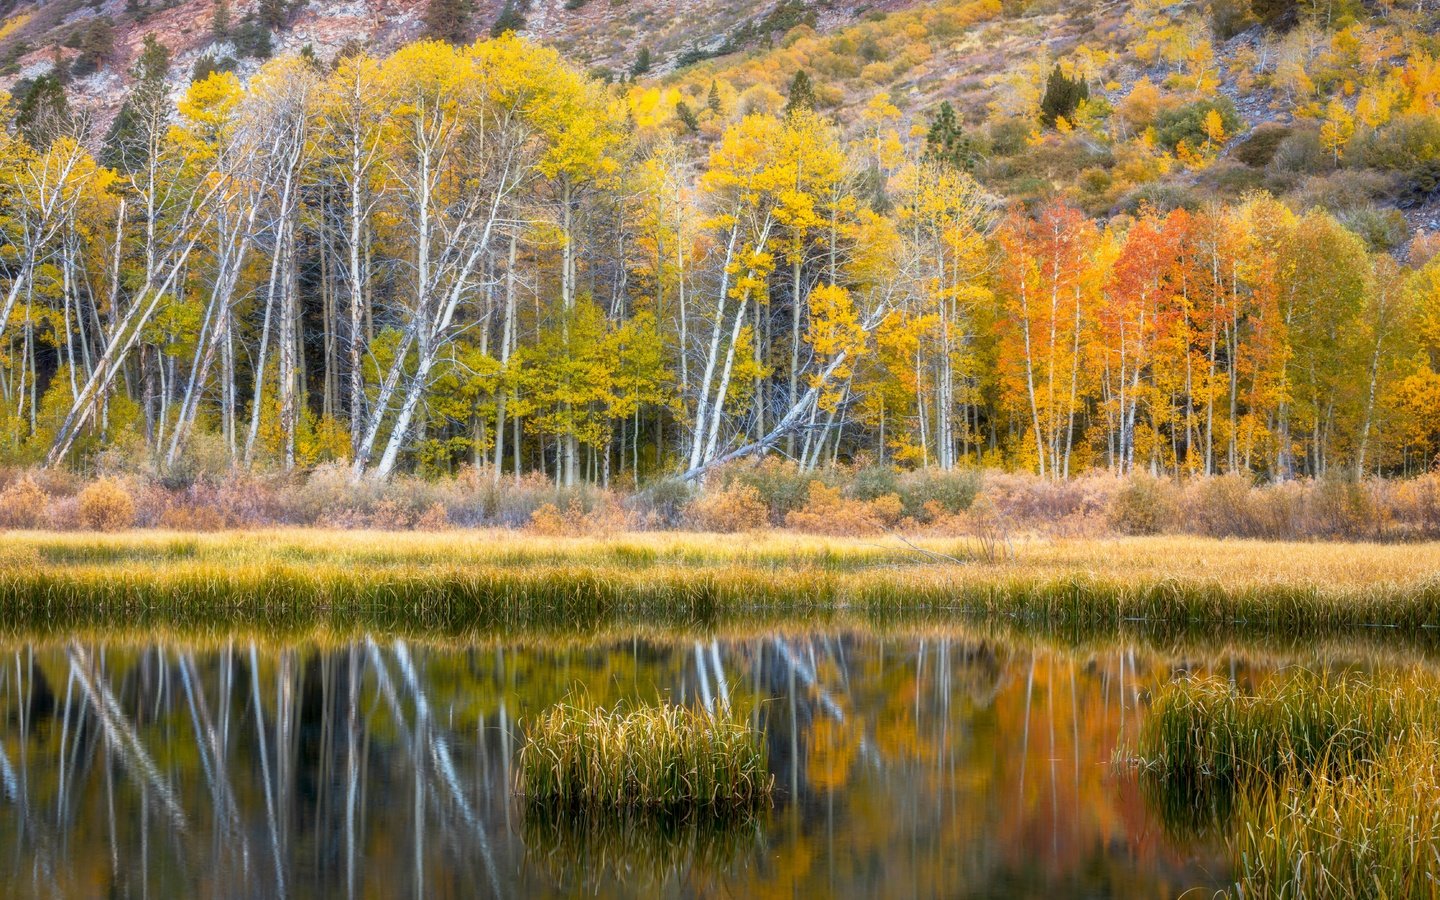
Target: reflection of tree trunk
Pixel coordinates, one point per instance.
(265, 770)
(122, 736)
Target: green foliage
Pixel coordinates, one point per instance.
(1063, 95)
(946, 141)
(252, 39)
(1261, 145)
(96, 45)
(1229, 17)
(590, 761)
(1405, 144)
(42, 111)
(687, 116)
(802, 93)
(126, 146)
(220, 22)
(449, 20)
(641, 65)
(1187, 123)
(511, 18)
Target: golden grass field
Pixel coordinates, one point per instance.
(1233, 564)
(487, 585)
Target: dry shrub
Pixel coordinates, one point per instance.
(736, 507)
(602, 519)
(1143, 505)
(1414, 504)
(436, 518)
(105, 505)
(1075, 507)
(389, 515)
(827, 511)
(22, 504)
(185, 517)
(887, 509)
(1343, 508)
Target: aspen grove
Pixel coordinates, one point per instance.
(475, 256)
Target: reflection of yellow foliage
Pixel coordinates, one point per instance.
(833, 747)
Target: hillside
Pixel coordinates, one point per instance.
(100, 41)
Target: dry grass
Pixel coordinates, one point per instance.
(1140, 572)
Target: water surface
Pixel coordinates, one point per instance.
(929, 764)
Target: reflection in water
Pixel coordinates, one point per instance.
(904, 767)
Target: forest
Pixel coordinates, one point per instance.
(482, 256)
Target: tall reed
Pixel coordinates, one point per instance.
(1328, 786)
(667, 759)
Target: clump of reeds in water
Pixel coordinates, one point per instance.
(1326, 786)
(664, 759)
(1205, 731)
(1368, 830)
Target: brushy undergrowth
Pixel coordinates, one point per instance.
(1325, 786)
(856, 500)
(665, 759)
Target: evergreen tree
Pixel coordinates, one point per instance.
(449, 20)
(97, 44)
(126, 147)
(713, 99)
(802, 93)
(687, 116)
(42, 111)
(274, 14)
(947, 142)
(1063, 95)
(641, 64)
(220, 24)
(510, 19)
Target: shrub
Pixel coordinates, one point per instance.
(780, 484)
(1301, 151)
(950, 492)
(1263, 143)
(22, 504)
(736, 507)
(192, 518)
(575, 521)
(106, 505)
(1403, 145)
(436, 518)
(1143, 505)
(1341, 507)
(826, 511)
(1187, 123)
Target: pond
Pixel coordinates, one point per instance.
(922, 763)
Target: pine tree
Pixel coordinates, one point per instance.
(125, 146)
(1063, 95)
(274, 14)
(220, 24)
(712, 100)
(641, 64)
(802, 93)
(510, 19)
(96, 46)
(448, 20)
(947, 142)
(687, 116)
(42, 112)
